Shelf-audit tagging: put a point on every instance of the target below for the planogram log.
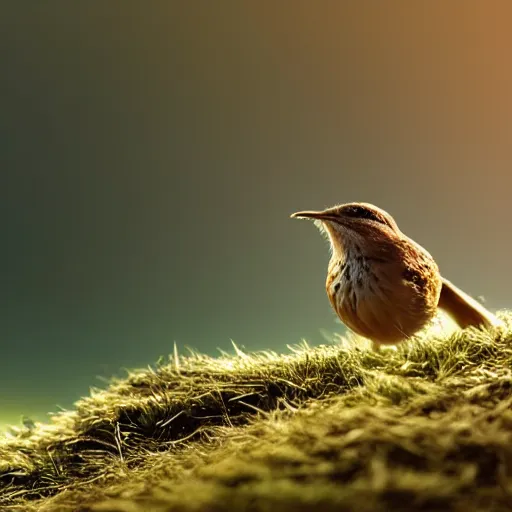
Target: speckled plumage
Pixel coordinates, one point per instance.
(381, 284)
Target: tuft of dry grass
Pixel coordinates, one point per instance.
(425, 427)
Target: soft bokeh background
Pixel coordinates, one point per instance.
(151, 153)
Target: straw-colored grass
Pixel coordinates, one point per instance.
(425, 427)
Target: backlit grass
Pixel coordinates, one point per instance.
(427, 426)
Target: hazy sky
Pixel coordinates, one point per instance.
(152, 152)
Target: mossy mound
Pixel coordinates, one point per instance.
(425, 427)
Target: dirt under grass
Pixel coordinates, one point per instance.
(425, 427)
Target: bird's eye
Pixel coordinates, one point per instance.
(360, 212)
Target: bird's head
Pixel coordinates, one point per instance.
(358, 223)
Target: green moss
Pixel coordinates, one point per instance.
(425, 427)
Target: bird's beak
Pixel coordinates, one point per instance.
(325, 215)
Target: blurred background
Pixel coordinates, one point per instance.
(151, 155)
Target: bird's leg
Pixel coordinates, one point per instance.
(375, 346)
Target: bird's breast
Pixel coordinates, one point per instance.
(385, 301)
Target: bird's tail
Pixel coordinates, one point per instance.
(463, 309)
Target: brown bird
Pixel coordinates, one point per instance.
(383, 285)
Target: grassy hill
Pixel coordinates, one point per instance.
(425, 427)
